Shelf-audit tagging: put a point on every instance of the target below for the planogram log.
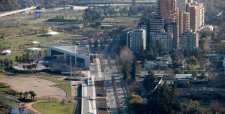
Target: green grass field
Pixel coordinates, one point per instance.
(120, 19)
(56, 79)
(18, 44)
(5, 88)
(66, 87)
(53, 107)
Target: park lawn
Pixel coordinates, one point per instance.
(9, 31)
(53, 107)
(56, 79)
(18, 44)
(120, 19)
(5, 88)
(66, 86)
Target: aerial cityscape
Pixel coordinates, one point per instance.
(112, 57)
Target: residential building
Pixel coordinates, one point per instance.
(150, 65)
(186, 21)
(164, 62)
(167, 9)
(164, 38)
(136, 40)
(155, 26)
(173, 28)
(182, 4)
(197, 17)
(189, 41)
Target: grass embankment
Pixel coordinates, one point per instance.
(66, 87)
(120, 19)
(8, 95)
(61, 83)
(53, 107)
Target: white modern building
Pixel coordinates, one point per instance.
(189, 41)
(72, 55)
(136, 40)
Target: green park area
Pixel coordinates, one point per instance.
(19, 44)
(53, 107)
(65, 86)
(120, 19)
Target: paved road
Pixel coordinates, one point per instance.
(88, 95)
(120, 98)
(108, 73)
(17, 11)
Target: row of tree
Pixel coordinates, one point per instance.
(24, 95)
(6, 63)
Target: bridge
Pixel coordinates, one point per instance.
(88, 2)
(17, 11)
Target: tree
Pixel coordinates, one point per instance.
(163, 101)
(32, 94)
(25, 94)
(135, 101)
(216, 108)
(192, 61)
(177, 59)
(125, 55)
(34, 66)
(160, 49)
(126, 72)
(17, 58)
(1, 62)
(148, 82)
(151, 54)
(91, 14)
(20, 93)
(133, 71)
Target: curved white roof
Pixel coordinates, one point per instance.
(52, 33)
(6, 51)
(33, 49)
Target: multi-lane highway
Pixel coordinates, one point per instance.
(17, 11)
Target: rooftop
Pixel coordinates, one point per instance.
(77, 49)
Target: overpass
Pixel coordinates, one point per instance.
(88, 2)
(17, 11)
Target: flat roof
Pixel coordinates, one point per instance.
(183, 76)
(76, 49)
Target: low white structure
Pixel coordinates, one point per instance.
(183, 77)
(75, 55)
(52, 33)
(4, 52)
(35, 42)
(150, 65)
(164, 61)
(33, 49)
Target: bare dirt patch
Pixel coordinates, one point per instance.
(43, 88)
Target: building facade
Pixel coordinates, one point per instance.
(155, 25)
(167, 9)
(189, 41)
(165, 39)
(71, 55)
(136, 40)
(197, 18)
